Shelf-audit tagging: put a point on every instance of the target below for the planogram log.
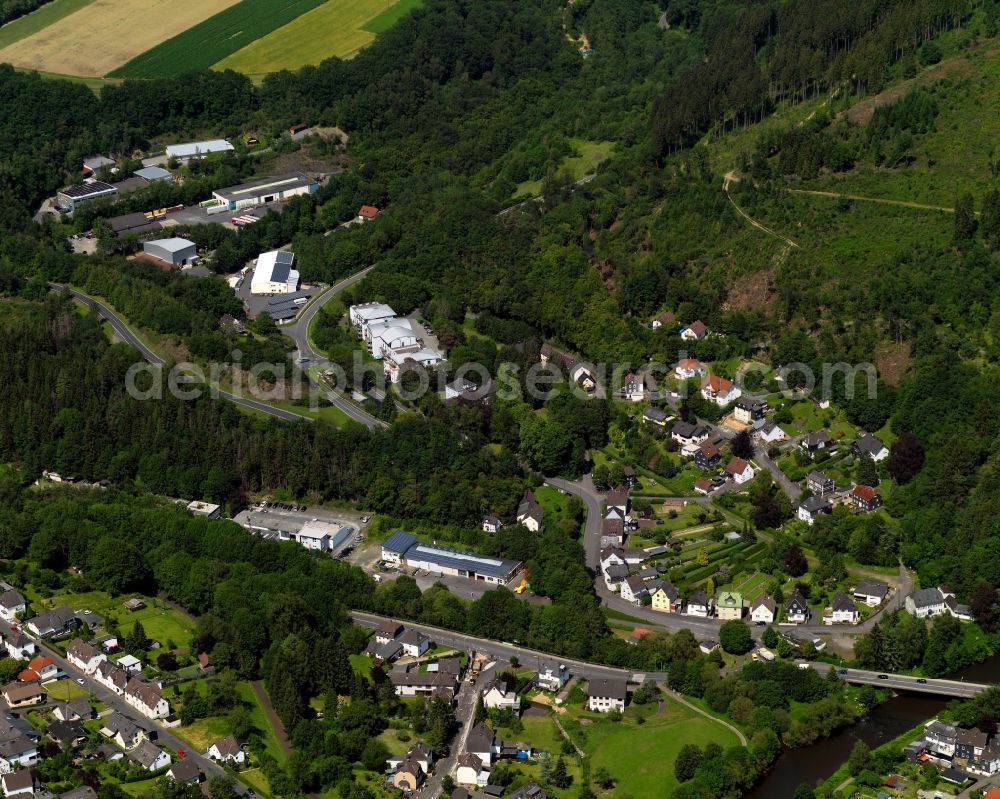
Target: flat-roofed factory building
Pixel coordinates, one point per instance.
(445, 561)
(69, 199)
(266, 190)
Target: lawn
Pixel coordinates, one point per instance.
(215, 38)
(361, 665)
(64, 690)
(641, 758)
(141, 788)
(553, 503)
(588, 154)
(334, 28)
(162, 622)
(541, 733)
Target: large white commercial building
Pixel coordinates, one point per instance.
(174, 251)
(274, 274)
(391, 339)
(198, 149)
(402, 546)
(266, 190)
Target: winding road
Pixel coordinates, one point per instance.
(298, 331)
(125, 333)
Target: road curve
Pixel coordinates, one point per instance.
(298, 331)
(124, 332)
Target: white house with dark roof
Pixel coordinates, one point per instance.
(414, 642)
(607, 694)
(770, 433)
(529, 512)
(11, 604)
(226, 750)
(656, 417)
(872, 592)
(147, 698)
(84, 656)
(763, 610)
(695, 331)
(816, 442)
(700, 605)
(149, 756)
(819, 484)
(633, 589)
(872, 446)
(18, 783)
(812, 508)
(497, 695)
(472, 771)
(842, 610)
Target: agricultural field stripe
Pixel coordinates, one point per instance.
(217, 37)
(39, 19)
(391, 16)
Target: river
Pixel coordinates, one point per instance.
(811, 764)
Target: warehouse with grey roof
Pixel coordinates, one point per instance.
(266, 190)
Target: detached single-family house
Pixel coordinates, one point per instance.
(497, 695)
(420, 753)
(19, 783)
(491, 524)
(695, 331)
(123, 731)
(22, 694)
(529, 512)
(689, 433)
(552, 677)
(227, 750)
(185, 772)
(84, 656)
(812, 508)
(68, 734)
(865, 498)
(634, 388)
(934, 602)
(78, 709)
(414, 642)
(18, 645)
(719, 390)
(366, 213)
(763, 610)
(872, 446)
(700, 605)
(422, 683)
(408, 775)
(614, 575)
(149, 756)
(665, 318)
(739, 471)
(872, 592)
(17, 751)
(41, 668)
(656, 417)
(707, 456)
(147, 698)
(688, 368)
(842, 610)
(796, 609)
(769, 433)
(11, 605)
(612, 555)
(530, 790)
(749, 410)
(607, 694)
(819, 484)
(666, 599)
(817, 442)
(704, 486)
(729, 605)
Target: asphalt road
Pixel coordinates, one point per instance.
(123, 332)
(165, 739)
(298, 331)
(506, 650)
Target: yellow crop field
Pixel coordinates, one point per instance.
(332, 29)
(107, 33)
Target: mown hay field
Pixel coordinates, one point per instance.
(105, 34)
(215, 38)
(336, 28)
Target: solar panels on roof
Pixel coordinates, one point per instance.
(88, 189)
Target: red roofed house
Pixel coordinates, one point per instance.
(665, 318)
(41, 668)
(367, 213)
(740, 471)
(687, 368)
(695, 331)
(703, 486)
(865, 498)
(719, 390)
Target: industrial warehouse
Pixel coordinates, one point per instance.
(403, 547)
(198, 149)
(266, 190)
(274, 274)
